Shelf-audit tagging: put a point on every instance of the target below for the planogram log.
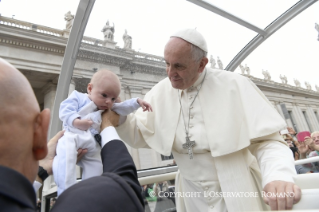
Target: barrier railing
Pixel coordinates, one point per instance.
(308, 160)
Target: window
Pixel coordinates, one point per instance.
(293, 121)
(307, 120)
(316, 114)
(167, 157)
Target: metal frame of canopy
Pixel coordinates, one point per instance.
(74, 42)
(262, 34)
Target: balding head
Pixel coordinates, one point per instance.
(23, 129)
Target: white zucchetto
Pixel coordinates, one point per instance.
(192, 36)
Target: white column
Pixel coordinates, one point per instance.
(49, 91)
(136, 91)
(122, 94)
(279, 109)
(299, 118)
(72, 86)
(78, 168)
(134, 152)
(127, 93)
(312, 117)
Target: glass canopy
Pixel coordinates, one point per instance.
(291, 51)
(150, 22)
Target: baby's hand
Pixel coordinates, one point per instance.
(82, 124)
(146, 106)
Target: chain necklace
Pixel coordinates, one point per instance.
(189, 144)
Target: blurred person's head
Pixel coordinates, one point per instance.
(23, 128)
(104, 89)
(295, 153)
(315, 137)
(52, 202)
(288, 139)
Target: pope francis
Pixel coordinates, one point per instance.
(222, 131)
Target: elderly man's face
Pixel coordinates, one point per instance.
(315, 138)
(181, 69)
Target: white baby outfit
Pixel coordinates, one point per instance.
(78, 105)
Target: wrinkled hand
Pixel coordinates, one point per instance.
(82, 124)
(109, 118)
(311, 144)
(281, 195)
(303, 148)
(145, 105)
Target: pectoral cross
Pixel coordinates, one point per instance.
(189, 145)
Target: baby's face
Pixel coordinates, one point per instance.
(103, 94)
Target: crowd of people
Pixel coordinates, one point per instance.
(302, 148)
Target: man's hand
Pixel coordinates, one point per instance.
(281, 195)
(145, 105)
(310, 142)
(82, 124)
(81, 153)
(47, 162)
(109, 118)
(303, 149)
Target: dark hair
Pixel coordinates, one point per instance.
(294, 150)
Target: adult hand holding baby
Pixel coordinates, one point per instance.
(109, 118)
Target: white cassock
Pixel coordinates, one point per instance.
(238, 147)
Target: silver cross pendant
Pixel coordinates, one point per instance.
(189, 146)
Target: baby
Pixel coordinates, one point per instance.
(81, 116)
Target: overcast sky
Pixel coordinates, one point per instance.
(292, 51)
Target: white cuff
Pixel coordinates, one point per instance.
(36, 185)
(109, 134)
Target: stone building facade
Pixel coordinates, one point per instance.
(37, 51)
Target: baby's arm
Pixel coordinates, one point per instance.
(82, 124)
(68, 112)
(145, 105)
(130, 105)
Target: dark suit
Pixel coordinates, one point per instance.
(117, 189)
(16, 192)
